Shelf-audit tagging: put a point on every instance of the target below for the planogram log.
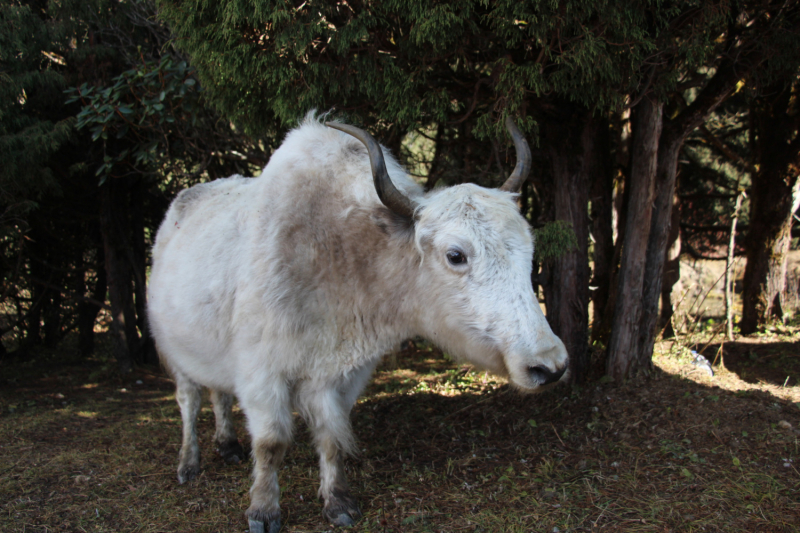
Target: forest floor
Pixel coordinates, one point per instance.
(443, 448)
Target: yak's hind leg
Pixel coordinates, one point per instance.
(269, 419)
(187, 392)
(326, 408)
(225, 437)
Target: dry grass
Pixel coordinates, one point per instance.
(443, 449)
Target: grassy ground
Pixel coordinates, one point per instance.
(443, 448)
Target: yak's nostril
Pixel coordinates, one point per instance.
(544, 376)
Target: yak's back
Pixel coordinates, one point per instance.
(314, 158)
(200, 208)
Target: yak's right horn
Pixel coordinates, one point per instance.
(389, 195)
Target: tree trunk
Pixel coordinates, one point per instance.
(767, 247)
(139, 268)
(33, 321)
(773, 200)
(729, 72)
(602, 334)
(87, 311)
(113, 225)
(602, 213)
(620, 196)
(52, 319)
(623, 356)
(654, 160)
(572, 146)
(672, 269)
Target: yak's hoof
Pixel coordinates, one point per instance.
(187, 473)
(343, 520)
(271, 523)
(231, 452)
(342, 515)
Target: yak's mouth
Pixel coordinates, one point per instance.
(538, 378)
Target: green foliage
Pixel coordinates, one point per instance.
(553, 240)
(412, 63)
(88, 89)
(141, 105)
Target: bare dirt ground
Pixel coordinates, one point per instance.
(443, 448)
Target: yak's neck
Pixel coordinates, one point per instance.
(375, 272)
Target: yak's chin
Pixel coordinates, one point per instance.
(483, 358)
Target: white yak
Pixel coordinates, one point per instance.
(285, 290)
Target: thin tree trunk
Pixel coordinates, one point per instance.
(623, 357)
(672, 269)
(728, 266)
(33, 320)
(603, 333)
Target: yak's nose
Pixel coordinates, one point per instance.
(544, 376)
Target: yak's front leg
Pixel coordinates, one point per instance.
(269, 419)
(326, 408)
(225, 436)
(341, 508)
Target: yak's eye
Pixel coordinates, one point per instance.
(456, 257)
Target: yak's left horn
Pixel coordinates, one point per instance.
(517, 178)
(389, 195)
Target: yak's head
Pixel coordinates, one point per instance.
(475, 281)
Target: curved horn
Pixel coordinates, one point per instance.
(389, 195)
(517, 178)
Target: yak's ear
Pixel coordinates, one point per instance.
(393, 224)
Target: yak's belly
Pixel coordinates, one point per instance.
(198, 351)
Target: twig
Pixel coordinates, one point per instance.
(559, 438)
(725, 150)
(719, 353)
(472, 105)
(714, 336)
